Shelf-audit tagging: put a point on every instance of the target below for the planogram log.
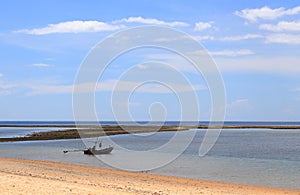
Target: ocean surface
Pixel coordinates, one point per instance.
(260, 157)
(72, 123)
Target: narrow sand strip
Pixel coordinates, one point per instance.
(40, 177)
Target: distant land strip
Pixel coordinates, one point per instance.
(96, 131)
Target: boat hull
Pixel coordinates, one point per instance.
(92, 151)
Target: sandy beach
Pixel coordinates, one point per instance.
(18, 176)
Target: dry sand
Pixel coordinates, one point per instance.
(40, 177)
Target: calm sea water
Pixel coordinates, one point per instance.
(70, 123)
(248, 156)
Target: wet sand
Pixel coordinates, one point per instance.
(19, 176)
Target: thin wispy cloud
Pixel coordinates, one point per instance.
(110, 85)
(152, 21)
(40, 65)
(283, 38)
(282, 26)
(6, 89)
(241, 37)
(232, 53)
(5, 92)
(275, 65)
(148, 88)
(266, 13)
(175, 61)
(4, 85)
(72, 27)
(238, 106)
(7, 86)
(200, 26)
(296, 89)
(237, 103)
(204, 38)
(229, 38)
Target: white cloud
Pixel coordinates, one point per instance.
(212, 38)
(282, 26)
(237, 103)
(142, 66)
(266, 13)
(283, 38)
(154, 87)
(229, 38)
(173, 38)
(203, 38)
(200, 26)
(7, 86)
(240, 37)
(238, 107)
(109, 85)
(183, 38)
(72, 27)
(177, 62)
(50, 89)
(6, 89)
(232, 53)
(5, 92)
(152, 21)
(40, 65)
(1, 75)
(297, 89)
(128, 104)
(276, 65)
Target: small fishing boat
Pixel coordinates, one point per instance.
(94, 151)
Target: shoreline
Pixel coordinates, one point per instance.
(44, 177)
(97, 131)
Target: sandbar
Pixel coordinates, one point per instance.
(74, 132)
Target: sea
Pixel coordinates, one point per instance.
(262, 157)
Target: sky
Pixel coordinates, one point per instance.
(255, 45)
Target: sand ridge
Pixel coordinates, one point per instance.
(97, 131)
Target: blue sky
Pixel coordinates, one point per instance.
(256, 46)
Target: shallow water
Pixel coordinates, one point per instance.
(8, 132)
(248, 156)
